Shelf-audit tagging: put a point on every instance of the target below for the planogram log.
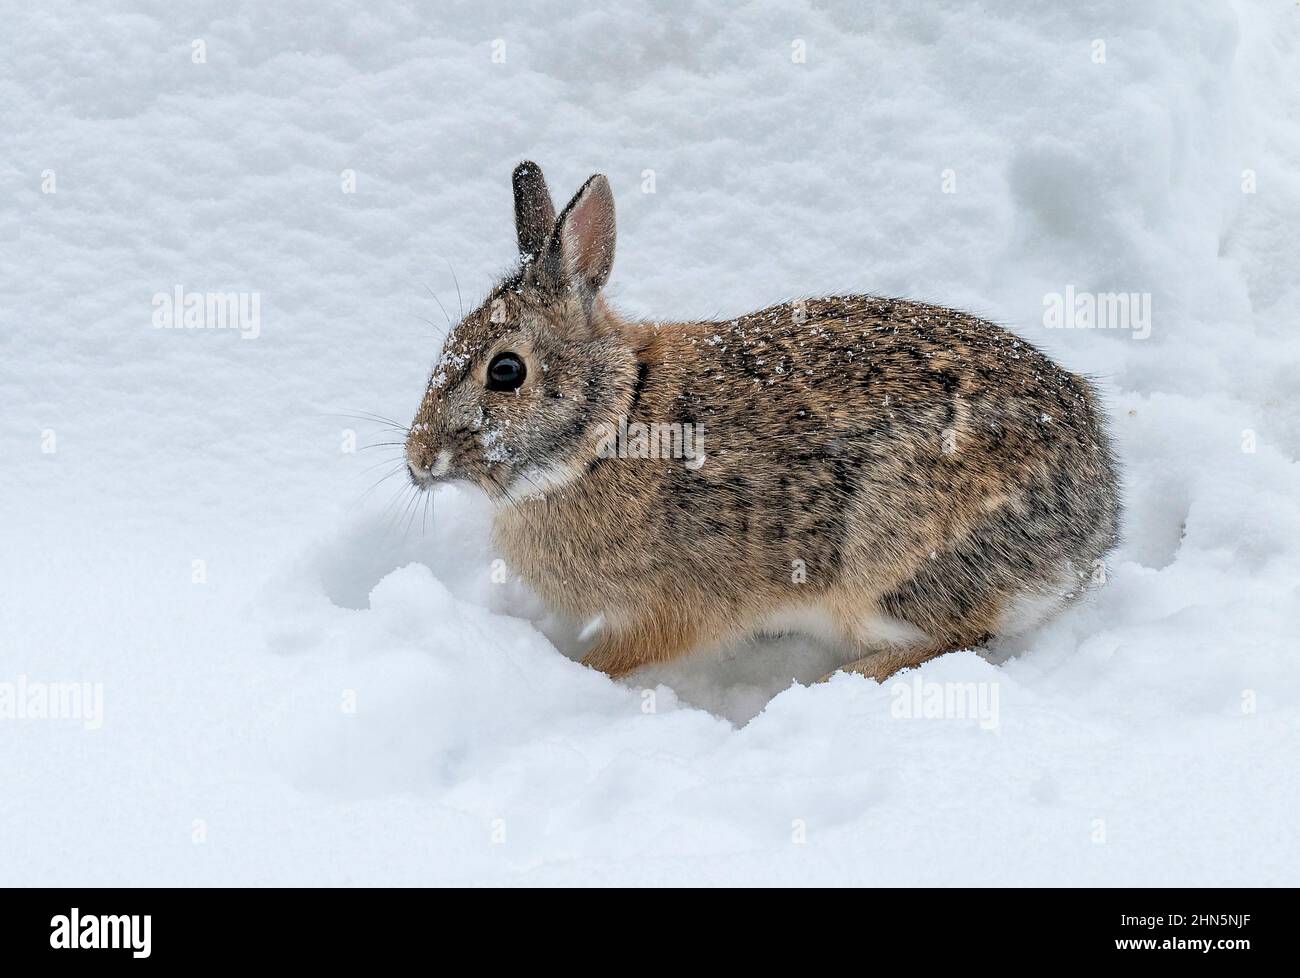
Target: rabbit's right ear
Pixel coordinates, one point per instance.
(581, 250)
(534, 211)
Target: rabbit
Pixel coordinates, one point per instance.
(898, 478)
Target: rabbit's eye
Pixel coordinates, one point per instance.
(505, 373)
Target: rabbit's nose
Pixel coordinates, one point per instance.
(417, 473)
(426, 466)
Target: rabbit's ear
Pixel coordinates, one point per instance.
(534, 212)
(582, 246)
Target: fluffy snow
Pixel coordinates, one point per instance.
(347, 691)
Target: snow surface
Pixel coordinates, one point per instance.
(1149, 737)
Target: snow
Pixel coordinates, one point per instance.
(305, 684)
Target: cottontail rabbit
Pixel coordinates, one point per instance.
(902, 478)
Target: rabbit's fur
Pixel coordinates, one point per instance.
(905, 478)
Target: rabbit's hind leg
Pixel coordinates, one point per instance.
(889, 644)
(882, 664)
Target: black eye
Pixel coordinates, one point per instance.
(505, 373)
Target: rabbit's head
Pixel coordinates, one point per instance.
(525, 380)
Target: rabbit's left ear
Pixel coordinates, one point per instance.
(582, 247)
(534, 212)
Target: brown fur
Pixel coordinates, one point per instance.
(927, 471)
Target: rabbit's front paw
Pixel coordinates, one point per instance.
(620, 652)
